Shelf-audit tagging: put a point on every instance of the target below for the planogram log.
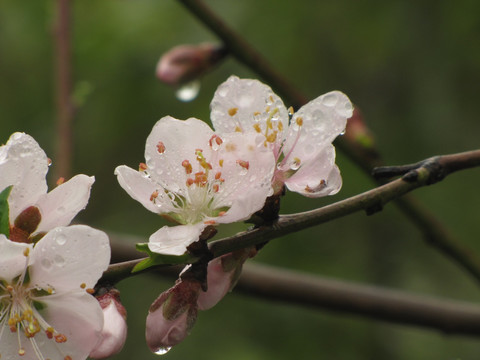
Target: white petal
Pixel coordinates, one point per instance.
(60, 205)
(175, 240)
(318, 177)
(243, 103)
(181, 138)
(141, 188)
(79, 317)
(323, 120)
(244, 190)
(12, 258)
(22, 164)
(114, 333)
(67, 257)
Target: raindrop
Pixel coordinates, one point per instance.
(188, 92)
(295, 165)
(61, 239)
(163, 350)
(342, 133)
(243, 171)
(59, 260)
(330, 99)
(253, 178)
(46, 263)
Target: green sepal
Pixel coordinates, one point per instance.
(4, 212)
(160, 259)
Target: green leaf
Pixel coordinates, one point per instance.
(4, 213)
(160, 259)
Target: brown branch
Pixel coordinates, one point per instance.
(371, 201)
(275, 284)
(63, 74)
(372, 302)
(434, 232)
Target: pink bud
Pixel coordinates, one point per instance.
(185, 63)
(222, 275)
(172, 315)
(114, 330)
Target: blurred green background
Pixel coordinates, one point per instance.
(413, 67)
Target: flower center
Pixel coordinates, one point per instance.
(19, 314)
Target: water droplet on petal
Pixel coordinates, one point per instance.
(162, 350)
(188, 92)
(46, 263)
(59, 260)
(330, 99)
(61, 239)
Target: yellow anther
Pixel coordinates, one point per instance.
(272, 137)
(238, 129)
(230, 147)
(83, 285)
(142, 167)
(257, 127)
(232, 111)
(280, 126)
(26, 252)
(220, 162)
(256, 113)
(299, 121)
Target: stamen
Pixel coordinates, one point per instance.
(154, 196)
(232, 111)
(299, 121)
(160, 147)
(257, 127)
(188, 167)
(60, 180)
(209, 222)
(238, 129)
(142, 166)
(244, 164)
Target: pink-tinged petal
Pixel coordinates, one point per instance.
(170, 143)
(248, 171)
(316, 125)
(12, 258)
(143, 189)
(246, 105)
(59, 206)
(318, 177)
(222, 275)
(22, 164)
(114, 333)
(172, 315)
(174, 240)
(78, 316)
(70, 258)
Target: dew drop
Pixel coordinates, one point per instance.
(295, 165)
(163, 350)
(243, 171)
(61, 239)
(188, 92)
(59, 260)
(46, 263)
(330, 99)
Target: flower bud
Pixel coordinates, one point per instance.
(172, 315)
(222, 275)
(114, 330)
(185, 63)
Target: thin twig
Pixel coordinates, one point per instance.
(296, 288)
(371, 201)
(63, 73)
(434, 232)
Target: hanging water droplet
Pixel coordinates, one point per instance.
(188, 92)
(163, 350)
(342, 133)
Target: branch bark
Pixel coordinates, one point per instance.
(63, 74)
(434, 232)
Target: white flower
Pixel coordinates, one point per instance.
(197, 178)
(46, 311)
(301, 142)
(32, 210)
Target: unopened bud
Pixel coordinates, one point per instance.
(222, 275)
(172, 316)
(114, 330)
(185, 63)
